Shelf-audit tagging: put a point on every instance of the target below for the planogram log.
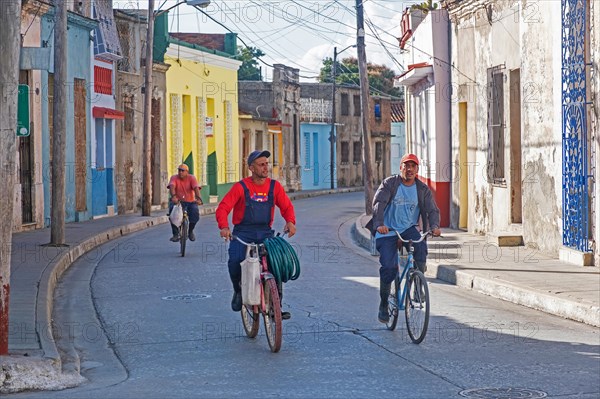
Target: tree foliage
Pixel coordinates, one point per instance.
(426, 6)
(381, 78)
(249, 70)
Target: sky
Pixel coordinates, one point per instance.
(296, 33)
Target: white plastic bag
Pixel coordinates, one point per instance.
(251, 279)
(176, 216)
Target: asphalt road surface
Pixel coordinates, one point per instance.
(147, 323)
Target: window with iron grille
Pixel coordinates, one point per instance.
(345, 104)
(345, 152)
(378, 151)
(357, 152)
(357, 108)
(102, 80)
(495, 100)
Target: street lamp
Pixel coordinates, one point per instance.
(332, 133)
(146, 176)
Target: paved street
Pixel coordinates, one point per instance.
(171, 332)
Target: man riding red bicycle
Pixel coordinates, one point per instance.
(253, 202)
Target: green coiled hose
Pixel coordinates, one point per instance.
(282, 259)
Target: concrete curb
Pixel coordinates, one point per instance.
(51, 276)
(585, 313)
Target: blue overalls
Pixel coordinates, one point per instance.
(255, 227)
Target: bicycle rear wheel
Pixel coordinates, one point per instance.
(417, 307)
(272, 315)
(250, 320)
(183, 235)
(393, 304)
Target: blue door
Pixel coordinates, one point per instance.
(103, 189)
(316, 159)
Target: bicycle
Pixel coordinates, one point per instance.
(270, 306)
(409, 292)
(184, 232)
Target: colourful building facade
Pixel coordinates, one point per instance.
(202, 115)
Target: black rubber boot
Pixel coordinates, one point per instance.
(384, 293)
(284, 315)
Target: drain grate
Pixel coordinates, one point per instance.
(185, 297)
(502, 393)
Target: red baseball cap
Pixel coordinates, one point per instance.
(410, 158)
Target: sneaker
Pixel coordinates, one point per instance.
(236, 301)
(191, 236)
(383, 316)
(286, 315)
(175, 238)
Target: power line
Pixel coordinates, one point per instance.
(243, 42)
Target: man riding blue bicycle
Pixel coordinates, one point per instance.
(184, 189)
(400, 201)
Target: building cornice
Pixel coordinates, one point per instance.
(176, 51)
(460, 9)
(36, 7)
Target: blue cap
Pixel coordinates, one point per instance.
(257, 154)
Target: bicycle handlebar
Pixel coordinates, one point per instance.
(250, 244)
(423, 235)
(243, 242)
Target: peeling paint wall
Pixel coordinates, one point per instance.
(522, 38)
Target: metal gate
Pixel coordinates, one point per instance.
(576, 175)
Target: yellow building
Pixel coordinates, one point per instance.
(202, 110)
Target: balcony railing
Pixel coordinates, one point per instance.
(315, 110)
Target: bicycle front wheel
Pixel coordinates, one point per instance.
(417, 307)
(250, 320)
(183, 235)
(272, 315)
(393, 304)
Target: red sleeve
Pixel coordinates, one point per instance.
(284, 203)
(194, 182)
(227, 204)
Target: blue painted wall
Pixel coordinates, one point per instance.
(78, 66)
(398, 146)
(315, 156)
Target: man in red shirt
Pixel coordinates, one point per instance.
(253, 202)
(184, 189)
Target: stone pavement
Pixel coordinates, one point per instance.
(34, 361)
(516, 274)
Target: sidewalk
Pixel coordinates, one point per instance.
(34, 361)
(516, 274)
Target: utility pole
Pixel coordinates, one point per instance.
(332, 138)
(10, 19)
(364, 104)
(146, 177)
(59, 126)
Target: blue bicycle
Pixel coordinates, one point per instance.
(409, 292)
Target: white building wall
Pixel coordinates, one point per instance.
(517, 38)
(542, 126)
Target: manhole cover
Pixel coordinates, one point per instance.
(502, 393)
(185, 297)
